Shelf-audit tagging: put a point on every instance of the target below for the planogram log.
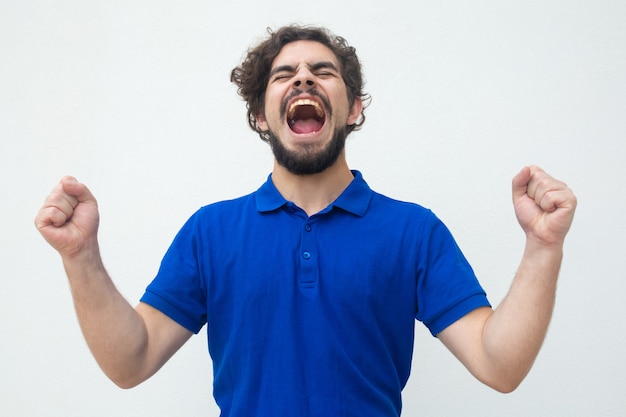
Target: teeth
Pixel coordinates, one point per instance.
(305, 102)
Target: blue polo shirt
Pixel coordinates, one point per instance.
(313, 316)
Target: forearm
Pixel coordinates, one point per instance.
(499, 347)
(114, 331)
(129, 344)
(515, 331)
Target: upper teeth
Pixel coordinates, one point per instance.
(305, 102)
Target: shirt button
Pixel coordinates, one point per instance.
(307, 227)
(306, 255)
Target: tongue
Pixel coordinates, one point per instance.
(306, 126)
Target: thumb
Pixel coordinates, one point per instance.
(520, 183)
(79, 191)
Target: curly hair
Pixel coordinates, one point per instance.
(252, 76)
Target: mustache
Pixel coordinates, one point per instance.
(296, 92)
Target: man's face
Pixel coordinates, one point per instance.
(307, 108)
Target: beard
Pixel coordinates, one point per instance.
(308, 160)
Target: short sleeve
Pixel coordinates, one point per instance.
(447, 288)
(177, 290)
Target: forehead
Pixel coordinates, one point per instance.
(304, 52)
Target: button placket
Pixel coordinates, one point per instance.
(308, 249)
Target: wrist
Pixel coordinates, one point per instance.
(83, 262)
(542, 259)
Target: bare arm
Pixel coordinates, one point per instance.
(499, 347)
(130, 344)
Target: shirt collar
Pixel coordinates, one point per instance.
(354, 199)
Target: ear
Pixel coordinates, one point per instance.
(355, 111)
(261, 122)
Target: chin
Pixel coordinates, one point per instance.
(308, 160)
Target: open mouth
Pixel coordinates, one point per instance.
(305, 116)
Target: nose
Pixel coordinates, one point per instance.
(304, 77)
(298, 83)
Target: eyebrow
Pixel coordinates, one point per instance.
(313, 67)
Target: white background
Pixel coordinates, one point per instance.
(133, 98)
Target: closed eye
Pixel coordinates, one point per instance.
(280, 77)
(325, 74)
(325, 69)
(282, 72)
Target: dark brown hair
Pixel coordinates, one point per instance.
(252, 76)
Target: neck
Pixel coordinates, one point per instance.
(313, 193)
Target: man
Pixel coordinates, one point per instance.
(310, 286)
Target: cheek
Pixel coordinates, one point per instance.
(271, 107)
